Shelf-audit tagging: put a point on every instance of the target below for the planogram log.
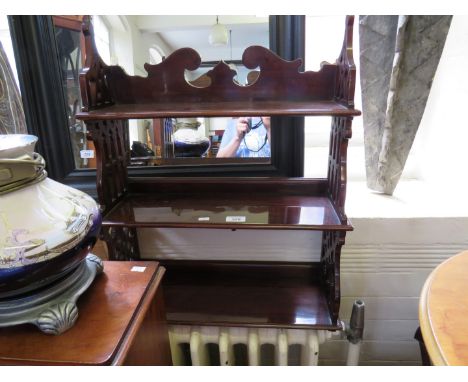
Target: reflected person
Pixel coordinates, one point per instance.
(246, 137)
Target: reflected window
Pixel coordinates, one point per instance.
(102, 38)
(69, 45)
(155, 56)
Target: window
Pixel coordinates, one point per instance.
(102, 38)
(155, 56)
(324, 39)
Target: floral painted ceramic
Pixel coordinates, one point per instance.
(46, 228)
(188, 141)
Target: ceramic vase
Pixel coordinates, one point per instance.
(188, 141)
(46, 228)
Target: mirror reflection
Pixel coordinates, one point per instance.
(131, 41)
(170, 141)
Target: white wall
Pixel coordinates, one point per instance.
(440, 143)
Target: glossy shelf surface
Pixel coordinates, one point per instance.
(260, 295)
(219, 109)
(216, 210)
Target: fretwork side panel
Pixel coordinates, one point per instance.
(111, 141)
(332, 241)
(122, 243)
(339, 136)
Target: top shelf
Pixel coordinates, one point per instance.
(274, 87)
(219, 109)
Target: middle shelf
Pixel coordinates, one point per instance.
(217, 207)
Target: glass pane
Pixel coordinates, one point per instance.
(70, 59)
(179, 141)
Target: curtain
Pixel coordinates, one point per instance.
(398, 60)
(12, 120)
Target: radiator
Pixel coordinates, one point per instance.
(207, 345)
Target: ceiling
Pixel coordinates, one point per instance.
(193, 31)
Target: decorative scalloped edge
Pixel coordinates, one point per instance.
(58, 318)
(279, 80)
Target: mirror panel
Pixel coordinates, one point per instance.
(191, 141)
(152, 38)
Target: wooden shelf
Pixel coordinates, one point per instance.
(226, 210)
(254, 294)
(249, 294)
(219, 109)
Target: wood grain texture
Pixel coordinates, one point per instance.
(276, 203)
(219, 108)
(255, 294)
(278, 80)
(112, 312)
(443, 312)
(280, 88)
(256, 211)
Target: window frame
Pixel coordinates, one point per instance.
(44, 102)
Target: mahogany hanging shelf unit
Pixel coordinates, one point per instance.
(260, 294)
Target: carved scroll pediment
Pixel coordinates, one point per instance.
(274, 79)
(278, 79)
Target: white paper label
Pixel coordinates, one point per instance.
(235, 219)
(87, 153)
(138, 269)
(204, 219)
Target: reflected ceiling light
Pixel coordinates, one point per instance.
(218, 35)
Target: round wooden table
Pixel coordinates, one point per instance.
(443, 312)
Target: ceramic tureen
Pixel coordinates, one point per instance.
(188, 141)
(46, 228)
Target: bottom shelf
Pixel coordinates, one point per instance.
(254, 294)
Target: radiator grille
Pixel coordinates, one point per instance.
(208, 345)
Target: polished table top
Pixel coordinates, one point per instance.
(108, 315)
(443, 312)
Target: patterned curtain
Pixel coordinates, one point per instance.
(12, 119)
(398, 60)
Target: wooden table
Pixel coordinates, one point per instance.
(121, 322)
(443, 312)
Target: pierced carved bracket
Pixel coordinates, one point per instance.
(337, 163)
(122, 243)
(111, 141)
(332, 241)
